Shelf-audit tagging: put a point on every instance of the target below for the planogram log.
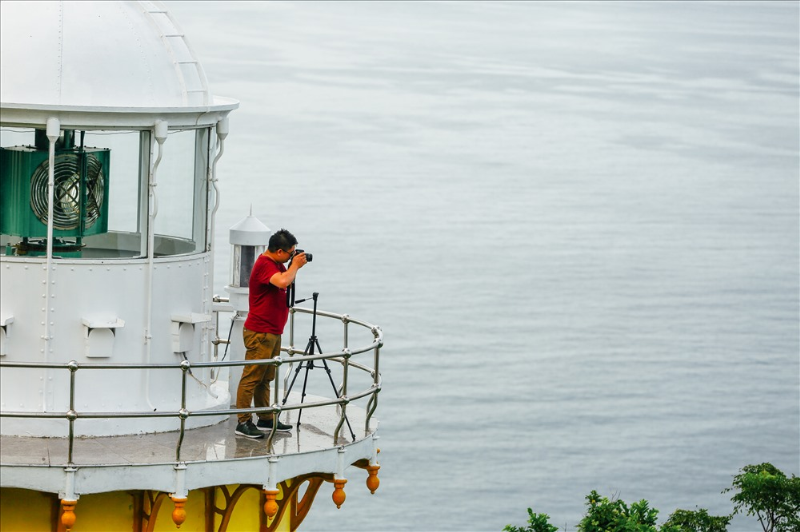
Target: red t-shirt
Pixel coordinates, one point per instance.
(268, 309)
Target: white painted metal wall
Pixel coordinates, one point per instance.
(97, 313)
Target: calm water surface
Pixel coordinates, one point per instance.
(577, 224)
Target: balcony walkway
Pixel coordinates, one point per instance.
(207, 444)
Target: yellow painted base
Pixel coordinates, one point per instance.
(32, 511)
(237, 508)
(26, 510)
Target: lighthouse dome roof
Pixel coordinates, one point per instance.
(68, 54)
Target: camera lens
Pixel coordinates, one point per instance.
(309, 257)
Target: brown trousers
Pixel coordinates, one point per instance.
(254, 384)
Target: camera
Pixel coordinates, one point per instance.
(309, 256)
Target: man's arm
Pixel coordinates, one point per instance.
(284, 279)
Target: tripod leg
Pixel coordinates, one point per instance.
(294, 378)
(309, 365)
(336, 390)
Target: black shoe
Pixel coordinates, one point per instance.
(266, 424)
(248, 430)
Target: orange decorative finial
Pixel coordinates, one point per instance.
(178, 514)
(372, 480)
(338, 492)
(68, 514)
(271, 507)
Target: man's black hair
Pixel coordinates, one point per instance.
(282, 239)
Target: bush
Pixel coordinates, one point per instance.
(764, 491)
(613, 515)
(761, 490)
(696, 521)
(536, 523)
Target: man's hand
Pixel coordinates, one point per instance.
(283, 280)
(299, 260)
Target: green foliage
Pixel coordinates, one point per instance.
(613, 515)
(536, 523)
(765, 491)
(696, 521)
(760, 490)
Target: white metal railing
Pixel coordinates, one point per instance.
(295, 356)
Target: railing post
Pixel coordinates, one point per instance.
(346, 321)
(183, 414)
(275, 394)
(346, 355)
(376, 333)
(216, 334)
(373, 403)
(291, 348)
(71, 414)
(291, 328)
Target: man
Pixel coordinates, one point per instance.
(263, 328)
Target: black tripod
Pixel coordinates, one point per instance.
(313, 344)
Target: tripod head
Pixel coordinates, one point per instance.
(290, 301)
(314, 296)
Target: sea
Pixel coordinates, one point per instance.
(576, 223)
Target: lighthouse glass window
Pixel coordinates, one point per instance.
(127, 179)
(95, 214)
(101, 193)
(182, 193)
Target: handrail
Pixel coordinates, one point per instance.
(343, 356)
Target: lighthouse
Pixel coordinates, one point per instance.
(116, 367)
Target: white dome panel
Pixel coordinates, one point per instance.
(97, 54)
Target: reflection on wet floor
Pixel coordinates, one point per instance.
(214, 443)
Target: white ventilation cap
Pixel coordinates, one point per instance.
(250, 232)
